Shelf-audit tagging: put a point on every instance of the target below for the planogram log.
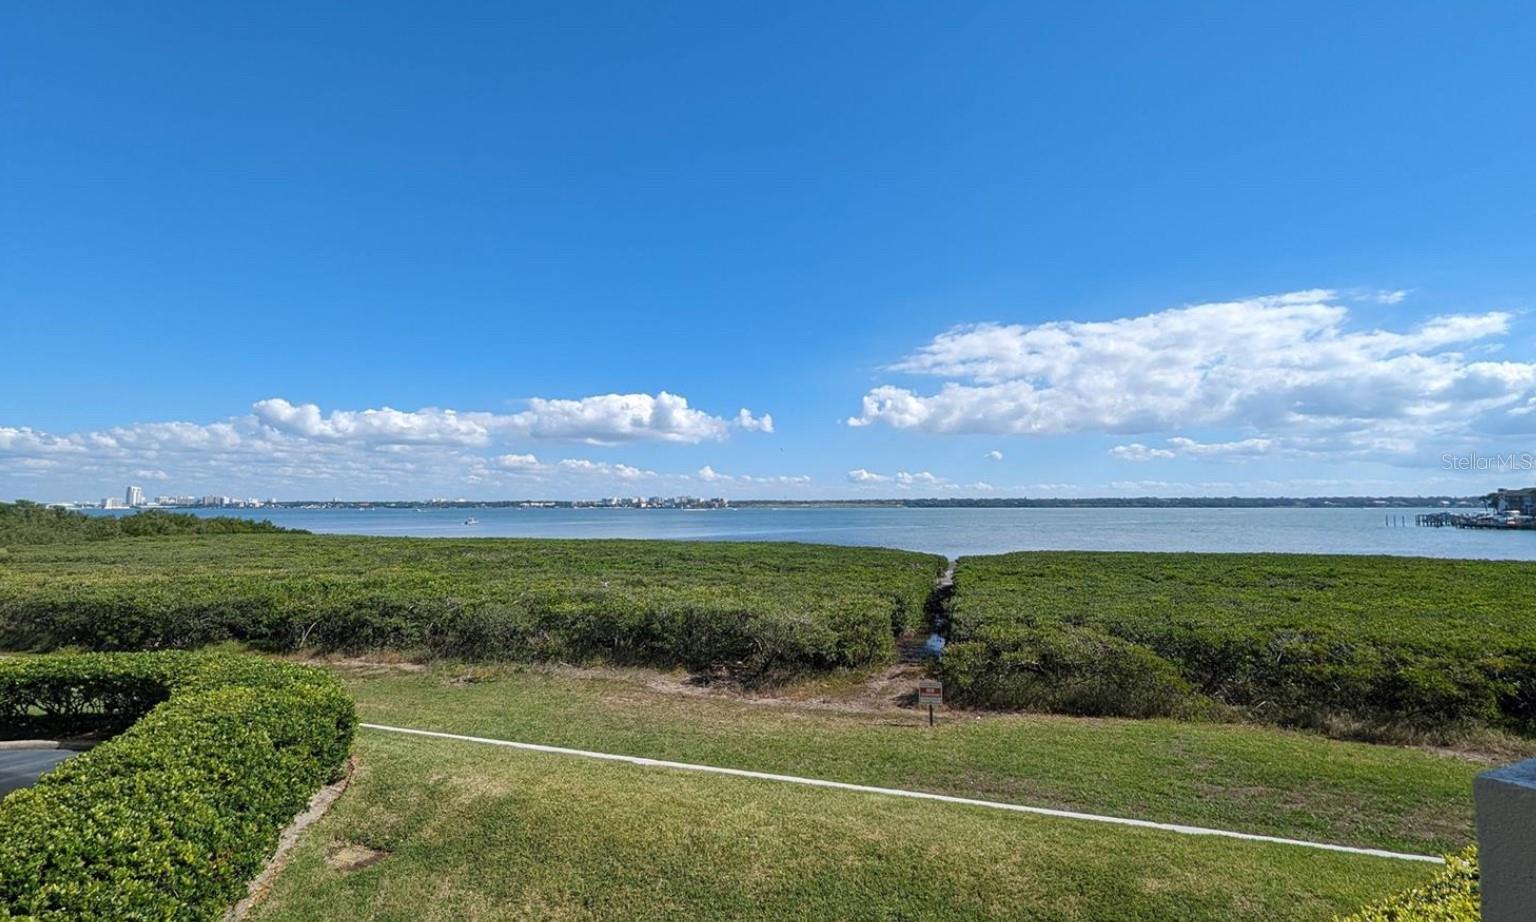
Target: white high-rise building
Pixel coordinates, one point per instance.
(135, 496)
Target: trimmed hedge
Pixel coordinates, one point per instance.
(171, 818)
(1452, 896)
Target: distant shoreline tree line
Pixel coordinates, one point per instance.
(24, 522)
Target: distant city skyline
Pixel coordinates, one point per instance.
(792, 252)
(136, 499)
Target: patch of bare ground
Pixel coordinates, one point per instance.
(379, 663)
(350, 856)
(876, 689)
(889, 690)
(895, 687)
(1474, 744)
(883, 689)
(1486, 752)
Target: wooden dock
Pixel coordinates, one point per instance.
(1473, 520)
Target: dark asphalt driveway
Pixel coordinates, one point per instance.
(20, 767)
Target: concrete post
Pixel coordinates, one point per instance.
(1506, 841)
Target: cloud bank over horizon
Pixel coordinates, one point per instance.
(605, 419)
(1290, 371)
(282, 443)
(1279, 394)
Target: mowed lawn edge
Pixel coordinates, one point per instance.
(460, 830)
(1251, 779)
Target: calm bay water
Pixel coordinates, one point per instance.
(952, 532)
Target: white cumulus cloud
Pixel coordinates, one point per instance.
(750, 423)
(1181, 447)
(611, 418)
(600, 419)
(385, 425)
(1289, 365)
(708, 474)
(515, 462)
(288, 446)
(1136, 451)
(905, 480)
(860, 475)
(605, 469)
(25, 442)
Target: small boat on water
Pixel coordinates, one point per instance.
(471, 521)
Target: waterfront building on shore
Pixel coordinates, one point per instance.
(1521, 501)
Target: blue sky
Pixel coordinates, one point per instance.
(503, 250)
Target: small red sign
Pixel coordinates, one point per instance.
(930, 691)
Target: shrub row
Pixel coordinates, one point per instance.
(1291, 638)
(1452, 896)
(57, 695)
(25, 522)
(755, 611)
(1056, 667)
(171, 818)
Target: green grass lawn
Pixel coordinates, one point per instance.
(1251, 779)
(474, 831)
